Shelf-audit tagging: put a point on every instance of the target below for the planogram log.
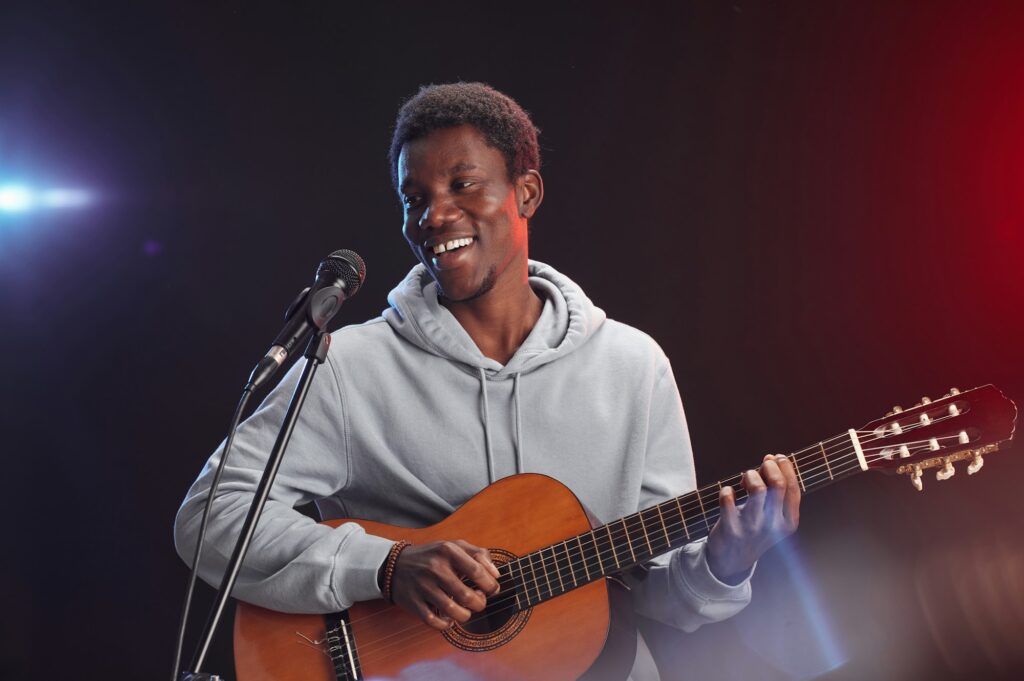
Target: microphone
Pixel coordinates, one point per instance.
(337, 279)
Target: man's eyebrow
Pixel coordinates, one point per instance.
(461, 167)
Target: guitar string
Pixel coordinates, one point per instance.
(367, 649)
(608, 547)
(367, 652)
(843, 436)
(426, 630)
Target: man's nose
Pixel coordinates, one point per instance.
(438, 213)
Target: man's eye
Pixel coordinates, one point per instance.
(410, 201)
(463, 184)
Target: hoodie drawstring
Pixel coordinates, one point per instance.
(520, 467)
(487, 428)
(519, 429)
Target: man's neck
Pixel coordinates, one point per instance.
(501, 319)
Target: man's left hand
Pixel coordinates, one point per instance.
(770, 513)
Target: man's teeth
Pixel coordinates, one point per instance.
(451, 245)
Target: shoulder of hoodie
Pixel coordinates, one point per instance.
(629, 345)
(354, 337)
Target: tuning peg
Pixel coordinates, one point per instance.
(895, 410)
(975, 465)
(946, 472)
(915, 479)
(953, 391)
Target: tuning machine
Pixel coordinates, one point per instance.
(915, 479)
(946, 472)
(977, 461)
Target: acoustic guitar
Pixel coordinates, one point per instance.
(560, 613)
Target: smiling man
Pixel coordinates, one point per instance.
(485, 364)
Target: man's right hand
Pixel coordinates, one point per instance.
(427, 581)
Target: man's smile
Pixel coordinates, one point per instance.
(449, 253)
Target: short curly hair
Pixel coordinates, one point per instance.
(503, 123)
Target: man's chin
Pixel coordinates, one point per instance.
(464, 292)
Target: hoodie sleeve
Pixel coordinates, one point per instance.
(677, 588)
(294, 564)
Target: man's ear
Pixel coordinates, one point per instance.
(529, 193)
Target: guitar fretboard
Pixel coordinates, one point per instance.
(630, 541)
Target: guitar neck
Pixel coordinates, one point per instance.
(624, 543)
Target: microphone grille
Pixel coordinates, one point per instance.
(347, 265)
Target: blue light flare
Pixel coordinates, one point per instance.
(16, 198)
(21, 198)
(794, 635)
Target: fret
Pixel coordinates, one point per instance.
(526, 584)
(647, 539)
(703, 512)
(823, 456)
(583, 556)
(628, 542)
(544, 569)
(664, 528)
(682, 519)
(515, 591)
(799, 478)
(611, 541)
(558, 570)
(533, 573)
(568, 561)
(597, 551)
(522, 582)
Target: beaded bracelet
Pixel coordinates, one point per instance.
(389, 568)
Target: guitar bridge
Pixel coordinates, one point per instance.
(341, 647)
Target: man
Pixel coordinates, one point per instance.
(486, 364)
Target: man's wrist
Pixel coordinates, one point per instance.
(733, 579)
(389, 569)
(728, 575)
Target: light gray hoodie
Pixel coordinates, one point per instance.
(407, 420)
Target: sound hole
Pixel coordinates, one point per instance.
(494, 616)
(500, 621)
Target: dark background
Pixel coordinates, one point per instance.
(816, 208)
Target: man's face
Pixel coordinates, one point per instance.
(463, 216)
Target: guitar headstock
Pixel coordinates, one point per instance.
(960, 426)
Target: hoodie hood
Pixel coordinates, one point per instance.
(567, 321)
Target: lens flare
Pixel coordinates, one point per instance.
(21, 198)
(16, 198)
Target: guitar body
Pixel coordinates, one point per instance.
(555, 640)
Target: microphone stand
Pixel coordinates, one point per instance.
(315, 354)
